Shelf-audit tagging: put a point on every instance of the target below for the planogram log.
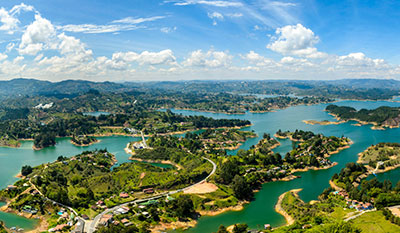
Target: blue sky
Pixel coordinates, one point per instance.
(198, 39)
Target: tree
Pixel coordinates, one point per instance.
(222, 229)
(183, 206)
(240, 228)
(26, 170)
(241, 188)
(228, 170)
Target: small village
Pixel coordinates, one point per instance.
(354, 204)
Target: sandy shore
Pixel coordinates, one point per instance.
(334, 186)
(375, 125)
(238, 207)
(314, 122)
(314, 168)
(278, 207)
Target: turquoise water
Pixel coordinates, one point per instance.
(13, 220)
(260, 211)
(96, 114)
(12, 159)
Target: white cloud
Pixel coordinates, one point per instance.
(3, 56)
(9, 47)
(295, 40)
(234, 15)
(215, 16)
(360, 60)
(168, 29)
(209, 3)
(17, 9)
(211, 59)
(8, 20)
(131, 20)
(258, 60)
(37, 36)
(164, 57)
(125, 24)
(94, 29)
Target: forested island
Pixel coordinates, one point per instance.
(43, 126)
(380, 117)
(83, 140)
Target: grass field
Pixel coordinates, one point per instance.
(375, 222)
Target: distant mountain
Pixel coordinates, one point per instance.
(368, 83)
(70, 88)
(64, 88)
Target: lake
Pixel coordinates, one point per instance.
(261, 210)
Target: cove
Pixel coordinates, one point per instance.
(12, 159)
(261, 210)
(13, 220)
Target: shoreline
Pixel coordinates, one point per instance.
(11, 146)
(190, 224)
(375, 125)
(272, 109)
(91, 143)
(238, 207)
(313, 168)
(334, 186)
(314, 122)
(279, 209)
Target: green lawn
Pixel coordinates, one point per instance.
(375, 222)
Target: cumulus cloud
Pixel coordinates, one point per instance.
(3, 56)
(8, 22)
(165, 57)
(210, 59)
(258, 60)
(8, 19)
(37, 36)
(295, 40)
(360, 60)
(56, 55)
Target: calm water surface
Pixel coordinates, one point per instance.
(260, 211)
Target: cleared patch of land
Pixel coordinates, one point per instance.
(201, 188)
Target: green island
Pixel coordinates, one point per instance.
(52, 124)
(381, 157)
(381, 118)
(83, 140)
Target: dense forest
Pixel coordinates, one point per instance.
(383, 116)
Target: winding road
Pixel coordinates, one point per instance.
(90, 226)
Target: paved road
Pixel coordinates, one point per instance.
(90, 227)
